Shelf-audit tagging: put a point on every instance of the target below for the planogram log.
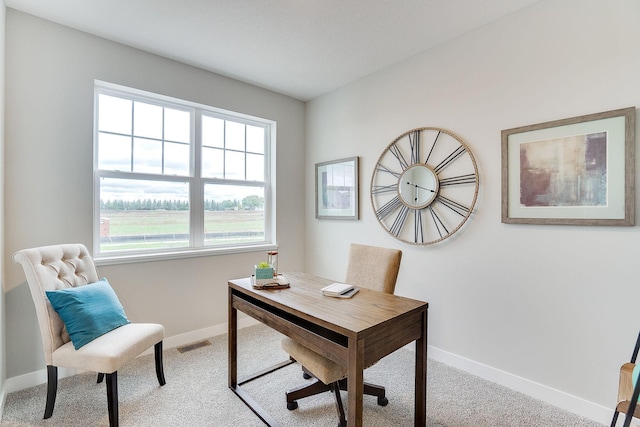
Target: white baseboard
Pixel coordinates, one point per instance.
(201, 334)
(560, 399)
(33, 379)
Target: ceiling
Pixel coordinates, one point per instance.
(300, 48)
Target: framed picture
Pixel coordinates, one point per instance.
(577, 171)
(337, 189)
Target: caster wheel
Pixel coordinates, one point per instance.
(306, 376)
(383, 401)
(292, 405)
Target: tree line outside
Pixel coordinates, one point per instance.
(248, 203)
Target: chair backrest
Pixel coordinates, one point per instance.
(49, 268)
(373, 267)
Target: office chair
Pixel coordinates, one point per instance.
(368, 267)
(66, 275)
(627, 393)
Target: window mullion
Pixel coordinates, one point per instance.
(133, 132)
(163, 141)
(197, 186)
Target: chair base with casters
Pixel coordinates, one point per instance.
(318, 387)
(329, 377)
(60, 267)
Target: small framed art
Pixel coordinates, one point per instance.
(337, 189)
(576, 171)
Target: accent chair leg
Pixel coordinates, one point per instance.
(112, 398)
(100, 377)
(52, 389)
(159, 365)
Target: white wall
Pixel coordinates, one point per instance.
(49, 139)
(550, 310)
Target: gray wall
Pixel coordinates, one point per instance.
(49, 141)
(549, 310)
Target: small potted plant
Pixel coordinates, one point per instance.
(264, 272)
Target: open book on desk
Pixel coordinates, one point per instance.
(278, 282)
(339, 290)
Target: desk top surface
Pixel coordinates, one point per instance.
(365, 310)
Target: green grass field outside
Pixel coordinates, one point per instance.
(127, 223)
(145, 224)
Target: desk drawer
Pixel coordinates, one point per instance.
(321, 340)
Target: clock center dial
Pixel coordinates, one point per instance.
(418, 186)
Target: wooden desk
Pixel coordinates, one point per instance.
(355, 332)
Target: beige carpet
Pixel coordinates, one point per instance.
(196, 394)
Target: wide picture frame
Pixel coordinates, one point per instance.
(576, 171)
(337, 189)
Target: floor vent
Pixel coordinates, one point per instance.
(193, 346)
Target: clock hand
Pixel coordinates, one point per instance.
(417, 186)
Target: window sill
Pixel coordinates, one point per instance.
(116, 259)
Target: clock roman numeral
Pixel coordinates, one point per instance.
(458, 208)
(450, 158)
(381, 168)
(398, 223)
(395, 150)
(469, 178)
(418, 234)
(380, 189)
(388, 208)
(438, 222)
(414, 143)
(432, 147)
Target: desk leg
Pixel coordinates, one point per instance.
(233, 367)
(233, 343)
(355, 383)
(421, 377)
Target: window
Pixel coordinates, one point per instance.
(176, 177)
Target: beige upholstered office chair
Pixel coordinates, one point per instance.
(369, 267)
(68, 269)
(627, 393)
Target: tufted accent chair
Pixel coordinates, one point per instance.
(368, 267)
(57, 267)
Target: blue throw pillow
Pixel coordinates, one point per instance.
(88, 311)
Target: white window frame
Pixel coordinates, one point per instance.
(196, 246)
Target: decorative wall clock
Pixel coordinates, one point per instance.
(424, 186)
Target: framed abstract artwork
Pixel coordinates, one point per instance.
(576, 171)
